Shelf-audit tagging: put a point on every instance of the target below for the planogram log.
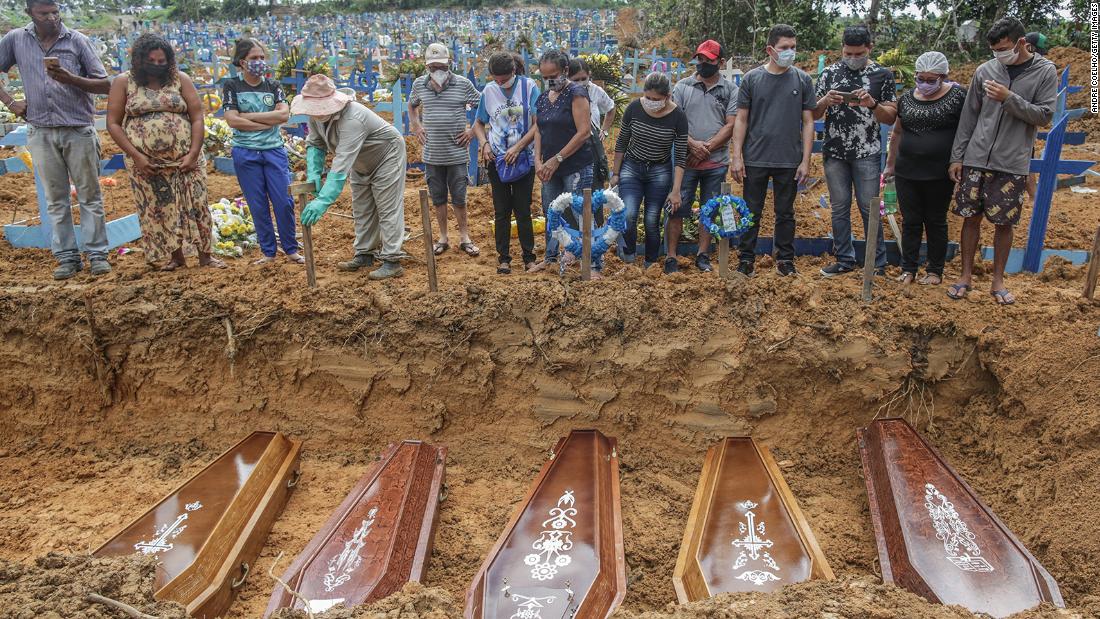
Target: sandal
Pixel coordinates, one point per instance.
(213, 263)
(265, 260)
(172, 265)
(930, 279)
(906, 278)
(504, 268)
(296, 258)
(439, 248)
(470, 249)
(958, 292)
(1003, 297)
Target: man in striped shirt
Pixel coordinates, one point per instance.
(59, 69)
(437, 115)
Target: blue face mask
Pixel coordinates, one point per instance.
(785, 58)
(257, 68)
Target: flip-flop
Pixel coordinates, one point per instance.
(958, 292)
(214, 263)
(470, 249)
(439, 248)
(265, 260)
(296, 258)
(927, 280)
(171, 266)
(1003, 297)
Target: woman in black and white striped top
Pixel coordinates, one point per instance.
(650, 156)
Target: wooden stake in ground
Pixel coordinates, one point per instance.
(300, 191)
(724, 244)
(870, 249)
(429, 241)
(1094, 267)
(586, 236)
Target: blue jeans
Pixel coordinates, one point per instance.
(841, 175)
(264, 176)
(574, 183)
(708, 182)
(650, 182)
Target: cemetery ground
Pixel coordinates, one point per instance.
(103, 417)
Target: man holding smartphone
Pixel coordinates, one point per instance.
(854, 96)
(59, 70)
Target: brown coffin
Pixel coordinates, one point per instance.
(935, 536)
(209, 531)
(377, 540)
(561, 555)
(745, 531)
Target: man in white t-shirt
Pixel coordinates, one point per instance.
(603, 117)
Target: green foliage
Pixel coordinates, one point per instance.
(393, 72)
(312, 66)
(900, 63)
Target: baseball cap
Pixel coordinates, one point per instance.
(709, 49)
(1037, 40)
(437, 52)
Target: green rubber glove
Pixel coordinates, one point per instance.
(334, 184)
(315, 165)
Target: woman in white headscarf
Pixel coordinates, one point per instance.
(920, 153)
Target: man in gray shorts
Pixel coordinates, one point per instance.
(437, 116)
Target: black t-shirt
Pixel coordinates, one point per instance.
(1014, 70)
(928, 131)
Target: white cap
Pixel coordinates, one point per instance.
(437, 52)
(932, 62)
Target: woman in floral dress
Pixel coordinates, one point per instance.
(155, 116)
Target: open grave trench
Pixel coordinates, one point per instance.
(99, 425)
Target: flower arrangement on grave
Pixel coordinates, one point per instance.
(234, 231)
(725, 216)
(392, 72)
(218, 141)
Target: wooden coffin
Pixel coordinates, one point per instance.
(377, 540)
(209, 531)
(935, 536)
(745, 531)
(561, 554)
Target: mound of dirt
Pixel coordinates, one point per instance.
(414, 601)
(57, 586)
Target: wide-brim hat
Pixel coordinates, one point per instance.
(320, 97)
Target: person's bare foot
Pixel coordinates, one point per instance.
(172, 265)
(208, 260)
(930, 279)
(265, 260)
(296, 258)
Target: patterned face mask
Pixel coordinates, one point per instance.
(257, 67)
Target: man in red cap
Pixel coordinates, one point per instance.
(710, 102)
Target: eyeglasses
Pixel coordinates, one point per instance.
(924, 81)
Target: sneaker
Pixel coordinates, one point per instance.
(880, 272)
(628, 258)
(785, 268)
(65, 270)
(837, 268)
(671, 265)
(356, 263)
(746, 268)
(387, 270)
(702, 262)
(100, 266)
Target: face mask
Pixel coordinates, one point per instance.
(706, 70)
(928, 88)
(439, 76)
(257, 67)
(158, 71)
(1006, 57)
(506, 85)
(582, 83)
(785, 58)
(856, 64)
(556, 83)
(652, 106)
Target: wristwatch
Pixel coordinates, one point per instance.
(875, 105)
(559, 158)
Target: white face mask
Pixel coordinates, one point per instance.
(1006, 57)
(856, 63)
(509, 83)
(651, 106)
(785, 58)
(440, 75)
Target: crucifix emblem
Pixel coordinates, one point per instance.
(167, 531)
(754, 546)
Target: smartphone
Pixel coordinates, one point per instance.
(850, 97)
(52, 62)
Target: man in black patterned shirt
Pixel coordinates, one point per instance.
(854, 95)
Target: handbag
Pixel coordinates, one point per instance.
(510, 173)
